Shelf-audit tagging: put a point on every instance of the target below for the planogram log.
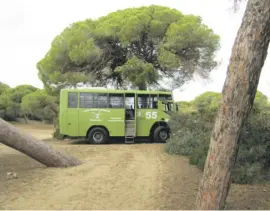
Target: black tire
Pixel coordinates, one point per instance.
(98, 135)
(161, 134)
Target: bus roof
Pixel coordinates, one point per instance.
(116, 91)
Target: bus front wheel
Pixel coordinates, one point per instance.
(98, 135)
(161, 134)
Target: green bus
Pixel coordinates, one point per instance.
(99, 114)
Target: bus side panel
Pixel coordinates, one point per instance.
(112, 119)
(63, 113)
(63, 122)
(116, 122)
(145, 119)
(71, 113)
(72, 122)
(161, 112)
(68, 115)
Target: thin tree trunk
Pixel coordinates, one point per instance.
(25, 118)
(38, 150)
(54, 122)
(247, 59)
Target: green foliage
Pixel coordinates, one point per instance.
(40, 105)
(8, 108)
(138, 71)
(208, 101)
(3, 87)
(10, 101)
(27, 101)
(185, 106)
(16, 94)
(192, 132)
(56, 134)
(132, 47)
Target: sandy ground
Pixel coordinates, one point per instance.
(114, 176)
(38, 130)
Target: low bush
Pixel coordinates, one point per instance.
(192, 132)
(56, 133)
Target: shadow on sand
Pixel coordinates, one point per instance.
(118, 140)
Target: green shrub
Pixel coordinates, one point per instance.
(192, 132)
(56, 134)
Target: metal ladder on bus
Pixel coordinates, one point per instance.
(130, 129)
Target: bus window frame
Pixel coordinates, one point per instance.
(68, 100)
(123, 100)
(150, 100)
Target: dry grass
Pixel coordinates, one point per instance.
(115, 176)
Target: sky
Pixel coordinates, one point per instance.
(27, 28)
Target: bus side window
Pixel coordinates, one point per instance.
(176, 107)
(103, 101)
(147, 101)
(169, 107)
(88, 100)
(153, 101)
(143, 100)
(72, 99)
(116, 101)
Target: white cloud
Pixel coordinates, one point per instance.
(29, 26)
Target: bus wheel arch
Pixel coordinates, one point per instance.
(97, 134)
(158, 130)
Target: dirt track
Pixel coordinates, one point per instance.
(117, 176)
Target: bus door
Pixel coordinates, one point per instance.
(116, 115)
(130, 106)
(130, 117)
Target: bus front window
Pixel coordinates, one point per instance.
(177, 107)
(169, 108)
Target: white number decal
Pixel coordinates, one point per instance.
(150, 115)
(154, 115)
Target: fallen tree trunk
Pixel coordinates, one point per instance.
(247, 59)
(36, 149)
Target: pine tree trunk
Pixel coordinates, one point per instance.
(25, 118)
(38, 150)
(54, 122)
(247, 59)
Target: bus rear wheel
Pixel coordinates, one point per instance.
(161, 134)
(98, 135)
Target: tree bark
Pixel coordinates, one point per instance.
(25, 118)
(243, 73)
(54, 122)
(38, 150)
